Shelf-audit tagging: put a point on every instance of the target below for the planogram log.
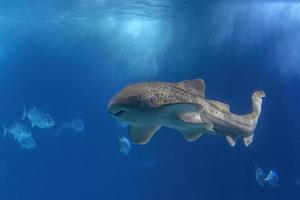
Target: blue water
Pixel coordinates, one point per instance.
(70, 57)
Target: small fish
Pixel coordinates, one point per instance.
(38, 118)
(17, 130)
(260, 176)
(272, 179)
(75, 125)
(125, 146)
(27, 142)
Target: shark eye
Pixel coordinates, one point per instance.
(134, 98)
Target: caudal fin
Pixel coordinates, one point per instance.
(256, 110)
(24, 112)
(256, 104)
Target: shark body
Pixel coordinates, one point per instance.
(181, 106)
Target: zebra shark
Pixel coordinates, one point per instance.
(148, 106)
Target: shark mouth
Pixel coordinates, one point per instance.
(117, 113)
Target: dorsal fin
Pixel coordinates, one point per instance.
(195, 86)
(142, 134)
(222, 106)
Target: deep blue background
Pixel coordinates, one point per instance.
(72, 68)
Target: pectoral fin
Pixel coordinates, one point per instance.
(142, 134)
(248, 140)
(231, 140)
(191, 137)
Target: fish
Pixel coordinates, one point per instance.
(75, 125)
(272, 179)
(27, 142)
(260, 176)
(38, 118)
(21, 133)
(125, 146)
(147, 106)
(17, 130)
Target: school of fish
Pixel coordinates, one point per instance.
(37, 118)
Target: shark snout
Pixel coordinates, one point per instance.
(116, 110)
(116, 106)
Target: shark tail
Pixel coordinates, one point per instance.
(4, 130)
(253, 117)
(24, 112)
(256, 105)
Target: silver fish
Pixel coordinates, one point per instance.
(125, 146)
(38, 118)
(75, 125)
(17, 130)
(27, 142)
(272, 179)
(260, 176)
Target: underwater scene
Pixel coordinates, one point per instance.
(149, 100)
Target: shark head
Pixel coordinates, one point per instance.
(126, 104)
(146, 102)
